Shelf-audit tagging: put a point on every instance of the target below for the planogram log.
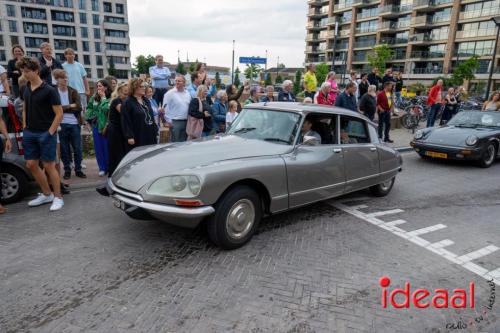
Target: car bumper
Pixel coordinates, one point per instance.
(446, 152)
(135, 207)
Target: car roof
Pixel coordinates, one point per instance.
(304, 108)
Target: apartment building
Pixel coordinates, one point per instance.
(429, 37)
(96, 29)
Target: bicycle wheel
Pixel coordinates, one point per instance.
(406, 121)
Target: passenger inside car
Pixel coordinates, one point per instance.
(308, 131)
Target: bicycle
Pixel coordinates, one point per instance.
(412, 117)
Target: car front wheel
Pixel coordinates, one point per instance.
(382, 189)
(13, 184)
(488, 156)
(237, 216)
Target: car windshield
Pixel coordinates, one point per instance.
(267, 125)
(476, 119)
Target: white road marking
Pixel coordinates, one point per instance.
(413, 236)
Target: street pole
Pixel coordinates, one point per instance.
(277, 68)
(334, 45)
(232, 70)
(492, 68)
(265, 66)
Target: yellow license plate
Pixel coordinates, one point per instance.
(436, 155)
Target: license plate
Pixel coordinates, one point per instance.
(436, 155)
(120, 204)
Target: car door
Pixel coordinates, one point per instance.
(361, 159)
(316, 173)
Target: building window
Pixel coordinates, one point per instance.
(97, 33)
(484, 28)
(61, 30)
(61, 57)
(86, 59)
(480, 48)
(84, 32)
(2, 56)
(95, 19)
(107, 7)
(98, 60)
(88, 70)
(118, 60)
(95, 5)
(82, 4)
(85, 46)
(62, 16)
(121, 74)
(12, 26)
(119, 8)
(116, 47)
(35, 28)
(34, 13)
(1, 41)
(83, 18)
(14, 40)
(100, 73)
(34, 41)
(98, 46)
(11, 10)
(62, 44)
(116, 33)
(114, 19)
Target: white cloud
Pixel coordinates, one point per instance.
(205, 29)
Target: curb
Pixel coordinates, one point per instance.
(86, 185)
(404, 149)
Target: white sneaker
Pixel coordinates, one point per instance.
(84, 166)
(41, 200)
(57, 204)
(101, 173)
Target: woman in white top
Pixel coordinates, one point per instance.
(493, 104)
(231, 113)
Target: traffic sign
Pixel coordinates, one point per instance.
(253, 60)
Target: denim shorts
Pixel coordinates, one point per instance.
(39, 145)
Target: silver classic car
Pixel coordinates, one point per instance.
(275, 157)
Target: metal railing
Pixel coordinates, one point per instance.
(427, 54)
(393, 41)
(366, 30)
(395, 25)
(435, 70)
(475, 33)
(364, 44)
(479, 13)
(394, 9)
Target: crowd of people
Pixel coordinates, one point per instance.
(55, 102)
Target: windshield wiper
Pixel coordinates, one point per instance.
(465, 125)
(276, 140)
(244, 130)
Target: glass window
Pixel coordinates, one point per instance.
(85, 46)
(14, 40)
(116, 33)
(98, 60)
(61, 30)
(119, 8)
(35, 28)
(116, 46)
(97, 33)
(1, 41)
(121, 74)
(82, 4)
(35, 13)
(62, 16)
(34, 41)
(107, 7)
(353, 131)
(12, 26)
(11, 10)
(84, 32)
(95, 5)
(98, 46)
(95, 19)
(83, 18)
(86, 59)
(2, 56)
(113, 19)
(61, 44)
(100, 73)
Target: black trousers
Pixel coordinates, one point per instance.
(1, 154)
(158, 95)
(384, 124)
(117, 147)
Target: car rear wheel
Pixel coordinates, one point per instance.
(14, 184)
(382, 189)
(237, 216)
(488, 157)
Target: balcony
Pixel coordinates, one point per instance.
(115, 26)
(362, 3)
(317, 2)
(393, 41)
(426, 55)
(485, 52)
(475, 33)
(486, 12)
(338, 8)
(360, 58)
(314, 26)
(315, 12)
(424, 38)
(371, 30)
(434, 70)
(342, 46)
(430, 5)
(399, 25)
(394, 10)
(398, 56)
(366, 15)
(429, 21)
(311, 37)
(364, 44)
(344, 33)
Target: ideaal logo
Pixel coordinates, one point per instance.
(422, 298)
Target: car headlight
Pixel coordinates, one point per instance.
(471, 140)
(176, 186)
(419, 134)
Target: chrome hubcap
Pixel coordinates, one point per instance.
(490, 155)
(10, 185)
(385, 185)
(240, 219)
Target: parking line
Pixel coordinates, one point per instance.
(413, 236)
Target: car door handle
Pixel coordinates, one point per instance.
(373, 149)
(337, 150)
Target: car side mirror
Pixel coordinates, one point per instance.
(310, 141)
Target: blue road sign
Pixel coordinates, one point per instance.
(253, 60)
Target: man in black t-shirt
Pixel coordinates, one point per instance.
(42, 114)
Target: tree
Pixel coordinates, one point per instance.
(217, 80)
(465, 71)
(379, 56)
(237, 77)
(180, 68)
(193, 66)
(281, 66)
(252, 71)
(268, 81)
(296, 83)
(112, 68)
(142, 63)
(321, 72)
(279, 79)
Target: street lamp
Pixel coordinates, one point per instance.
(495, 19)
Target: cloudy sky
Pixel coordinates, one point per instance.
(205, 29)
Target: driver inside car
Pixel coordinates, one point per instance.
(307, 131)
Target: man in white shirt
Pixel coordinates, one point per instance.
(77, 76)
(160, 76)
(4, 82)
(176, 104)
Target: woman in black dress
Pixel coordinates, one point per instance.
(116, 142)
(138, 124)
(12, 72)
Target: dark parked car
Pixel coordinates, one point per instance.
(470, 135)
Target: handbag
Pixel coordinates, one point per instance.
(194, 126)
